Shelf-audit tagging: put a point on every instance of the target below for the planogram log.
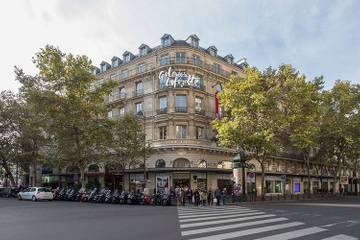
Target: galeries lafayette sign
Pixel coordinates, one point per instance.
(174, 79)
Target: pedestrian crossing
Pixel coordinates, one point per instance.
(235, 222)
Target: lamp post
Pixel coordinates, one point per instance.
(240, 162)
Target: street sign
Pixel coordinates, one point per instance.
(344, 180)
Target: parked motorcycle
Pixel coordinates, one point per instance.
(90, 195)
(123, 197)
(108, 196)
(116, 196)
(132, 198)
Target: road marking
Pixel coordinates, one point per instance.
(294, 234)
(221, 217)
(209, 209)
(326, 204)
(231, 220)
(340, 237)
(250, 231)
(215, 214)
(238, 225)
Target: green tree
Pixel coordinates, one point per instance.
(66, 94)
(252, 115)
(300, 101)
(340, 125)
(129, 147)
(10, 115)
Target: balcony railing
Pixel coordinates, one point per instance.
(181, 109)
(201, 87)
(203, 142)
(138, 92)
(194, 61)
(161, 111)
(115, 97)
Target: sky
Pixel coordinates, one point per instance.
(317, 37)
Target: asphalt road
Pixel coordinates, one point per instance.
(26, 220)
(70, 220)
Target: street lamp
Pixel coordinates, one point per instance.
(240, 162)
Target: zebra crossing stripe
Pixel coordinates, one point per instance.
(222, 217)
(250, 231)
(238, 225)
(212, 210)
(207, 208)
(340, 237)
(231, 220)
(294, 234)
(215, 214)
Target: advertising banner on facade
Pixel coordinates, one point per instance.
(162, 183)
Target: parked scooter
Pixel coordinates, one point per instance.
(108, 196)
(116, 196)
(100, 196)
(123, 197)
(89, 196)
(132, 198)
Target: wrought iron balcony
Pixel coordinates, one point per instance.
(161, 111)
(181, 109)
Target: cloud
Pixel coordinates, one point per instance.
(317, 37)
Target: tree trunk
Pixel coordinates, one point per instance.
(262, 181)
(82, 177)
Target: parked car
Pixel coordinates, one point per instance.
(36, 193)
(8, 192)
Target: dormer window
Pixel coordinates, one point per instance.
(193, 40)
(104, 66)
(212, 50)
(229, 58)
(127, 58)
(195, 43)
(115, 62)
(95, 70)
(167, 42)
(143, 51)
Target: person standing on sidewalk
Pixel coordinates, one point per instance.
(224, 196)
(210, 197)
(218, 196)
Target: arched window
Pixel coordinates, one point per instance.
(181, 163)
(72, 169)
(202, 164)
(160, 163)
(93, 168)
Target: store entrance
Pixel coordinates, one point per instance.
(181, 183)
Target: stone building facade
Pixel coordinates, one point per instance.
(173, 88)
